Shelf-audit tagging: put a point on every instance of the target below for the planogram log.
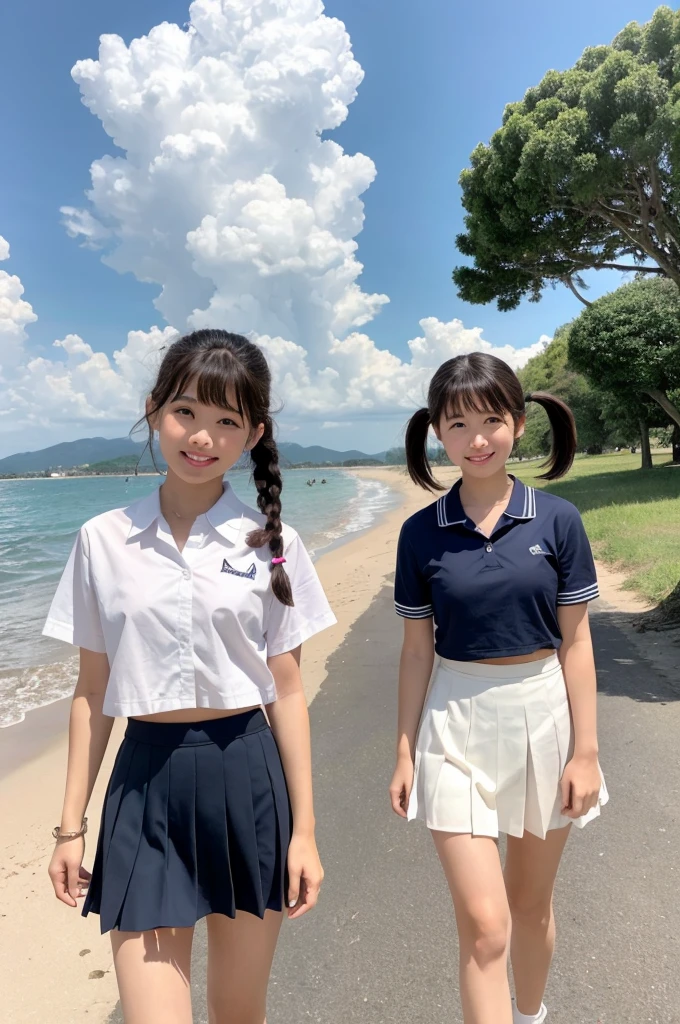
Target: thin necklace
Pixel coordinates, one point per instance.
(175, 513)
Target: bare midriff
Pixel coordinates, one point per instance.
(520, 659)
(193, 714)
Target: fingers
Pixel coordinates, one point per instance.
(308, 897)
(59, 876)
(73, 880)
(399, 800)
(294, 878)
(565, 785)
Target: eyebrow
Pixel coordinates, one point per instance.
(194, 401)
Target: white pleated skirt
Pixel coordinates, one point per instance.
(492, 745)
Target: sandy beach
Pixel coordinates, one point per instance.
(59, 966)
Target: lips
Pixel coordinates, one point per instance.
(194, 459)
(480, 460)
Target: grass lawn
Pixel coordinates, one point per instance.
(632, 517)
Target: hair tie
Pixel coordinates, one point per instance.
(278, 561)
(528, 397)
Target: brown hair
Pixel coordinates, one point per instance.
(220, 362)
(476, 383)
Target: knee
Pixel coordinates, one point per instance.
(484, 934)
(533, 910)
(235, 1011)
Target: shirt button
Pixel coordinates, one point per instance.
(489, 547)
(186, 574)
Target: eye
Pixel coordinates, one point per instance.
(229, 423)
(182, 412)
(458, 423)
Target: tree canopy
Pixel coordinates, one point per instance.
(628, 342)
(584, 173)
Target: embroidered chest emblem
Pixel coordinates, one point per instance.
(249, 575)
(538, 550)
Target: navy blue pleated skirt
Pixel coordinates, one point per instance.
(196, 821)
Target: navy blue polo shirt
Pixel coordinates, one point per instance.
(494, 597)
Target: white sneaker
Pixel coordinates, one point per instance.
(521, 1018)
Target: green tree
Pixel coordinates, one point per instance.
(584, 173)
(628, 342)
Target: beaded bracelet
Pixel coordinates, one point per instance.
(58, 834)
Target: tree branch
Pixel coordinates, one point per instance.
(664, 401)
(568, 280)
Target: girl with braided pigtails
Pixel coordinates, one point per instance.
(190, 609)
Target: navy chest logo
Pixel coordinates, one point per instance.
(249, 575)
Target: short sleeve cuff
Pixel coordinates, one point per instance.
(578, 595)
(64, 631)
(308, 629)
(425, 611)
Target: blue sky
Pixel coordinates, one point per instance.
(437, 76)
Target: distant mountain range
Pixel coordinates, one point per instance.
(91, 450)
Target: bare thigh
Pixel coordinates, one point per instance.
(153, 971)
(240, 955)
(473, 870)
(531, 866)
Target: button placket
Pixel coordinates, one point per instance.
(186, 653)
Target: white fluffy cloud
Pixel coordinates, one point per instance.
(229, 197)
(15, 315)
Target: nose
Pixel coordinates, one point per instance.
(479, 442)
(201, 439)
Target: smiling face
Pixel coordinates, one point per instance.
(479, 441)
(201, 442)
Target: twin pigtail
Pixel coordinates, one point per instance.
(563, 429)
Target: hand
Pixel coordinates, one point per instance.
(580, 784)
(401, 785)
(305, 875)
(69, 878)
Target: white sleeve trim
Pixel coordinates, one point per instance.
(579, 596)
(423, 612)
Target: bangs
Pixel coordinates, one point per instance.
(219, 377)
(476, 396)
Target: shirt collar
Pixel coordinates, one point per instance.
(225, 516)
(522, 504)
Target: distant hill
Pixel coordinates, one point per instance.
(94, 450)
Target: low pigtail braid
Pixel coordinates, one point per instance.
(267, 476)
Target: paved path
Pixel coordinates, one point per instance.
(381, 946)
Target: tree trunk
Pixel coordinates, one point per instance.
(645, 446)
(664, 401)
(675, 441)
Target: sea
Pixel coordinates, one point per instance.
(39, 520)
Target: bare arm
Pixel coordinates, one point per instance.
(581, 779)
(289, 721)
(578, 666)
(415, 669)
(89, 731)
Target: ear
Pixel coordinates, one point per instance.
(255, 437)
(151, 417)
(437, 431)
(519, 427)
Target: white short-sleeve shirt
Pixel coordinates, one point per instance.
(184, 630)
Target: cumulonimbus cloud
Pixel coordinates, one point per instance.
(230, 196)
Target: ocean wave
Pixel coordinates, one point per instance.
(30, 688)
(372, 499)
